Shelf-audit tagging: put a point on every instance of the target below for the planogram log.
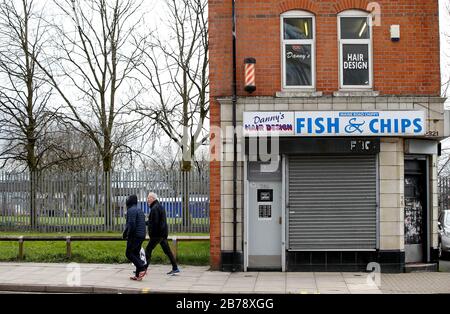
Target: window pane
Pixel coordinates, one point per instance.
(298, 28)
(298, 65)
(356, 64)
(355, 28)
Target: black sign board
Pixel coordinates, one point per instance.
(356, 64)
(305, 146)
(265, 195)
(364, 146)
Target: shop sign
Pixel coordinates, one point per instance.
(360, 123)
(268, 123)
(335, 123)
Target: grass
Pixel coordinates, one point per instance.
(189, 253)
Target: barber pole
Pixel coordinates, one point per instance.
(250, 85)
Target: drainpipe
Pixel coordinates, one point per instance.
(234, 100)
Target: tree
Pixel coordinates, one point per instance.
(93, 68)
(77, 151)
(24, 114)
(177, 77)
(444, 52)
(444, 160)
(25, 117)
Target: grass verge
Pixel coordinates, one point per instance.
(189, 253)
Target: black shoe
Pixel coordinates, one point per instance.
(174, 271)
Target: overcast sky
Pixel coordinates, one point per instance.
(445, 41)
(445, 50)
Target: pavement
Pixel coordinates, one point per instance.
(94, 278)
(444, 265)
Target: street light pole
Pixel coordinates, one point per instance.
(234, 100)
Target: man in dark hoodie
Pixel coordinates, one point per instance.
(158, 232)
(135, 235)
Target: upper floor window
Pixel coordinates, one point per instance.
(355, 50)
(298, 51)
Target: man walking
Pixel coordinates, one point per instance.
(158, 232)
(135, 235)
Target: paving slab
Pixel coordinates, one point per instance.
(302, 291)
(333, 291)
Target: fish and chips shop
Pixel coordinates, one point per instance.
(336, 120)
(316, 182)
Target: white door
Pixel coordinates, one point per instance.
(264, 234)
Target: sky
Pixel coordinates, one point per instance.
(444, 19)
(445, 41)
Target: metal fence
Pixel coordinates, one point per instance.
(444, 193)
(94, 202)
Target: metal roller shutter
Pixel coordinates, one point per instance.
(332, 203)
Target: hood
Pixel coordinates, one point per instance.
(132, 200)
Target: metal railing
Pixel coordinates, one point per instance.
(95, 202)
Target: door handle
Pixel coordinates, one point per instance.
(280, 220)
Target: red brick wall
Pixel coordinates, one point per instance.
(214, 206)
(408, 67)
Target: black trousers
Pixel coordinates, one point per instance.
(165, 247)
(133, 253)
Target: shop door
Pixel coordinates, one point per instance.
(415, 209)
(264, 215)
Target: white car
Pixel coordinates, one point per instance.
(444, 233)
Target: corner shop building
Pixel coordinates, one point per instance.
(355, 177)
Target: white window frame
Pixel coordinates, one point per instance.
(312, 42)
(342, 42)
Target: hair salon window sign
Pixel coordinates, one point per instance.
(355, 65)
(355, 50)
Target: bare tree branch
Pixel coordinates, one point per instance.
(177, 74)
(25, 116)
(97, 64)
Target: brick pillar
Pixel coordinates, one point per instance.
(215, 187)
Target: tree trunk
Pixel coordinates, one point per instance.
(109, 221)
(34, 174)
(107, 173)
(185, 171)
(33, 207)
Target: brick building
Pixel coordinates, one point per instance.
(348, 108)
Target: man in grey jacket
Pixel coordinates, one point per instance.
(135, 235)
